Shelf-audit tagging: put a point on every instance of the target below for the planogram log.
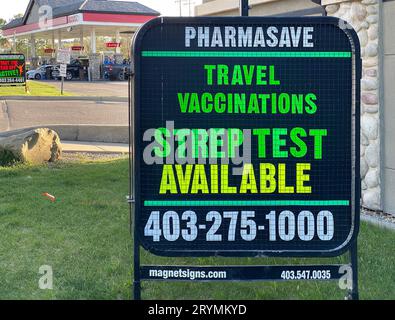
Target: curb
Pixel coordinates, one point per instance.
(96, 152)
(378, 222)
(83, 133)
(98, 147)
(66, 98)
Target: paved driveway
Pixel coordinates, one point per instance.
(97, 89)
(22, 114)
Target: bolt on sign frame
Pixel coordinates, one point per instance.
(284, 90)
(12, 70)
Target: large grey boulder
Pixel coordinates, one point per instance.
(33, 146)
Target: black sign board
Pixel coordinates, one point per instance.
(246, 137)
(12, 70)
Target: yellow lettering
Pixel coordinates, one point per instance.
(248, 182)
(168, 182)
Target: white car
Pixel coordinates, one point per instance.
(39, 73)
(56, 74)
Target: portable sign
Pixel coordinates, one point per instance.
(12, 70)
(246, 138)
(63, 56)
(63, 70)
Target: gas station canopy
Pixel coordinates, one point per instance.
(72, 18)
(58, 20)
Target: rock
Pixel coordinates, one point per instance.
(373, 32)
(371, 199)
(343, 10)
(362, 150)
(332, 8)
(370, 98)
(372, 50)
(363, 185)
(370, 62)
(356, 24)
(369, 1)
(358, 11)
(369, 84)
(372, 9)
(363, 37)
(372, 178)
(34, 147)
(372, 19)
(371, 73)
(364, 140)
(372, 109)
(370, 127)
(372, 155)
(364, 168)
(364, 25)
(346, 16)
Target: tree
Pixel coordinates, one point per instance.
(21, 45)
(4, 44)
(17, 16)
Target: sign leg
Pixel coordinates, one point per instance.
(137, 290)
(137, 276)
(354, 264)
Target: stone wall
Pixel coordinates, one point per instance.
(94, 66)
(363, 15)
(118, 58)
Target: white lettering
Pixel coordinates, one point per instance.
(259, 40)
(190, 33)
(271, 32)
(230, 37)
(247, 37)
(295, 35)
(285, 40)
(308, 37)
(217, 38)
(204, 35)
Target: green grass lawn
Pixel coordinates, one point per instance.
(35, 88)
(85, 237)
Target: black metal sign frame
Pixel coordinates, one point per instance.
(243, 273)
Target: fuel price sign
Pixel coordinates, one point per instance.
(246, 136)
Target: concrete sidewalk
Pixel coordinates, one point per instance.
(94, 147)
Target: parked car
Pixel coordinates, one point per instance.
(56, 74)
(116, 72)
(39, 73)
(73, 70)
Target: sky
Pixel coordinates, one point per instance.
(165, 7)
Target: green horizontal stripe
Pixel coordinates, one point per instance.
(246, 203)
(12, 59)
(249, 54)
